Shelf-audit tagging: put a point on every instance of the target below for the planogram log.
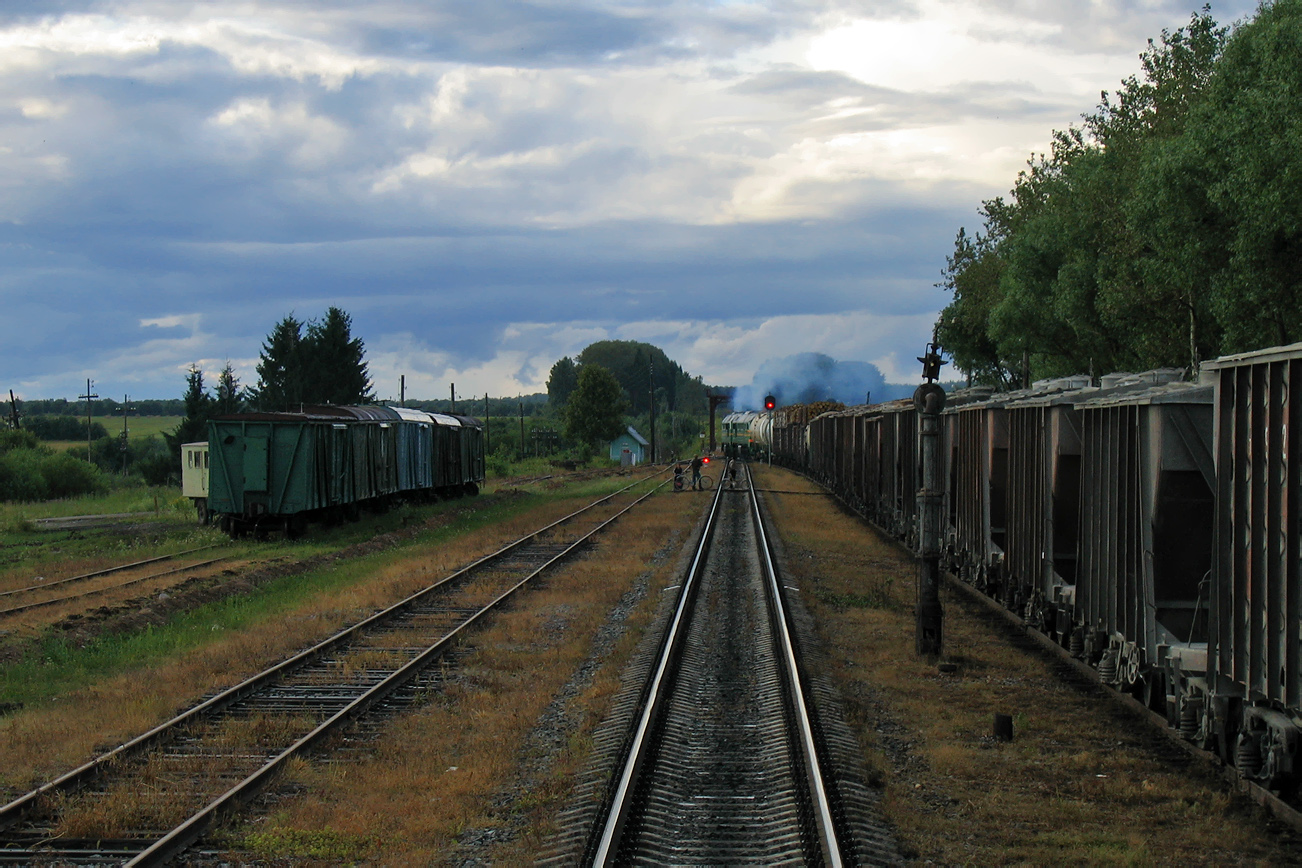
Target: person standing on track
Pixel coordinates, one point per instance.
(696, 473)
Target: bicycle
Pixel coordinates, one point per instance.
(682, 483)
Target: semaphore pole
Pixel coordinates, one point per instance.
(929, 400)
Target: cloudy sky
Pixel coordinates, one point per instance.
(488, 186)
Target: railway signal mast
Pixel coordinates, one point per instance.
(929, 399)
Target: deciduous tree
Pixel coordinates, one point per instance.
(595, 411)
(562, 381)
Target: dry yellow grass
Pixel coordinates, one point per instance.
(441, 771)
(39, 743)
(1079, 785)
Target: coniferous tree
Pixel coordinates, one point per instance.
(280, 370)
(228, 399)
(334, 363)
(325, 365)
(198, 409)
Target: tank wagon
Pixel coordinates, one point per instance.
(1147, 524)
(275, 471)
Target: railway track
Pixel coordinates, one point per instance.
(724, 763)
(12, 601)
(146, 801)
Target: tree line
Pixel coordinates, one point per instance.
(1166, 229)
(30, 409)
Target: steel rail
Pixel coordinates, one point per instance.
(655, 696)
(189, 831)
(106, 572)
(14, 610)
(809, 751)
(17, 809)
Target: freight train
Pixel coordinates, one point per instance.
(261, 472)
(1147, 524)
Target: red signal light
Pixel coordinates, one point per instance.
(770, 402)
(705, 460)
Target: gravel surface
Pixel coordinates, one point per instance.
(561, 719)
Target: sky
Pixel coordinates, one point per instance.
(488, 186)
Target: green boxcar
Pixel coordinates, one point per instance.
(270, 471)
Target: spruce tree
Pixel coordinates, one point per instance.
(325, 365)
(280, 370)
(335, 362)
(228, 392)
(198, 409)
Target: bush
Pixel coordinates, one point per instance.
(67, 475)
(38, 474)
(497, 465)
(20, 475)
(158, 470)
(17, 439)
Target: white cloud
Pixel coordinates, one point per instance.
(189, 321)
(722, 352)
(704, 177)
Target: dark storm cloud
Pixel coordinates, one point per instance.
(178, 177)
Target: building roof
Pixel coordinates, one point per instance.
(632, 432)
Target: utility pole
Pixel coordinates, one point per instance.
(454, 399)
(486, 437)
(88, 397)
(929, 400)
(522, 429)
(651, 377)
(13, 411)
(126, 400)
(402, 390)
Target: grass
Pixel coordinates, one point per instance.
(78, 701)
(459, 764)
(58, 667)
(1078, 785)
(138, 428)
(283, 843)
(164, 501)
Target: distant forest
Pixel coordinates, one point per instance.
(1165, 230)
(103, 407)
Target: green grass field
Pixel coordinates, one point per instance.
(138, 428)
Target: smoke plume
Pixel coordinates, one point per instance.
(809, 377)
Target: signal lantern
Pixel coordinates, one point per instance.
(770, 402)
(705, 459)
